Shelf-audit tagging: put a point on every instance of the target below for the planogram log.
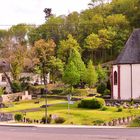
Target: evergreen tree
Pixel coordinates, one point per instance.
(71, 75)
(91, 74)
(75, 57)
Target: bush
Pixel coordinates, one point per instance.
(92, 103)
(104, 108)
(43, 120)
(16, 87)
(135, 122)
(120, 109)
(18, 117)
(57, 91)
(106, 92)
(101, 88)
(97, 122)
(59, 120)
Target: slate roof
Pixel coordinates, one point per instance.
(131, 52)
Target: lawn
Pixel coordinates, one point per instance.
(83, 116)
(29, 104)
(75, 115)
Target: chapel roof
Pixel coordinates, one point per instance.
(131, 52)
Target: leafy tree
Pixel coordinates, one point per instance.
(102, 74)
(71, 75)
(92, 43)
(56, 68)
(91, 74)
(44, 50)
(66, 46)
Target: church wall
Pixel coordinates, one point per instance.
(135, 81)
(125, 81)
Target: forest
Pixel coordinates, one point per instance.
(68, 46)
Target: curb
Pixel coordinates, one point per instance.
(6, 124)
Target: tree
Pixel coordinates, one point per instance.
(65, 48)
(102, 74)
(91, 74)
(75, 57)
(92, 43)
(71, 75)
(44, 50)
(56, 68)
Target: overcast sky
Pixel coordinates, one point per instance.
(31, 11)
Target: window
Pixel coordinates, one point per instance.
(115, 78)
(3, 79)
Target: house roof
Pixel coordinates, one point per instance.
(131, 52)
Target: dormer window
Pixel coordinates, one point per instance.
(115, 78)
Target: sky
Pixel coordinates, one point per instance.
(13, 12)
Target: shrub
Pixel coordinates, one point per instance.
(59, 120)
(80, 92)
(97, 122)
(18, 117)
(57, 91)
(43, 120)
(16, 87)
(104, 108)
(106, 92)
(135, 122)
(120, 109)
(101, 88)
(93, 103)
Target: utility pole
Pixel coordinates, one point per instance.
(48, 14)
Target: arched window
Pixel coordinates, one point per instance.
(3, 78)
(115, 78)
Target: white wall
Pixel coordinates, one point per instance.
(125, 81)
(115, 87)
(136, 81)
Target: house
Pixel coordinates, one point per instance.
(4, 68)
(126, 70)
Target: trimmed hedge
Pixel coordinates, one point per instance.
(92, 103)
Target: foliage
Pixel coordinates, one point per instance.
(104, 108)
(18, 117)
(75, 57)
(135, 122)
(1, 91)
(16, 87)
(98, 122)
(66, 46)
(102, 74)
(56, 68)
(93, 103)
(120, 109)
(44, 50)
(59, 120)
(91, 76)
(71, 75)
(49, 119)
(101, 88)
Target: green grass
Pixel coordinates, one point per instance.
(75, 115)
(29, 104)
(83, 116)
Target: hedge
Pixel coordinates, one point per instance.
(92, 103)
